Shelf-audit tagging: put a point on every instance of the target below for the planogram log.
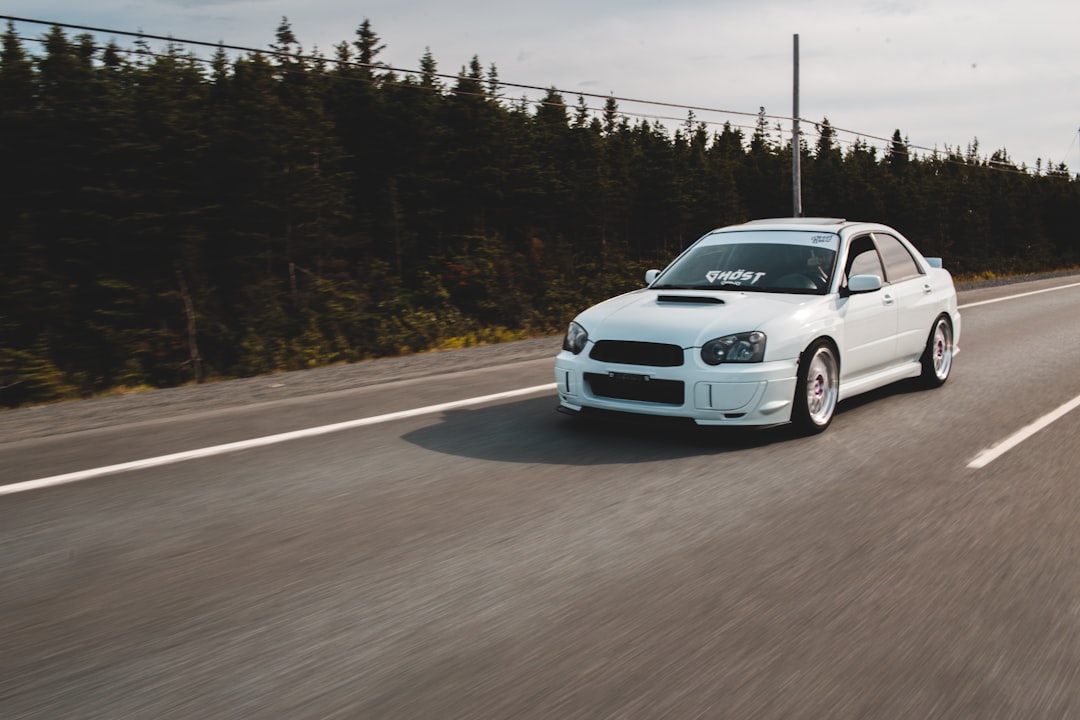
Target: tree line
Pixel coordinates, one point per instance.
(166, 218)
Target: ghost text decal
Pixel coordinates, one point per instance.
(734, 277)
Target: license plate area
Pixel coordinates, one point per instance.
(628, 377)
(635, 386)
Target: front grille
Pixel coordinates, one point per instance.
(627, 352)
(664, 392)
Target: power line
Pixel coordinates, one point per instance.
(370, 66)
(1072, 142)
(760, 116)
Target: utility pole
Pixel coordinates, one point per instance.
(796, 145)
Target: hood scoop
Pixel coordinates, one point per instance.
(690, 299)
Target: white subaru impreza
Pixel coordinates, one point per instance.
(764, 323)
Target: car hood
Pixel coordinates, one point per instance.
(689, 318)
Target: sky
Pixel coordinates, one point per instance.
(944, 72)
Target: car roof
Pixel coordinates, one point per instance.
(811, 224)
(798, 221)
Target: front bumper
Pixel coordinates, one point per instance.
(728, 394)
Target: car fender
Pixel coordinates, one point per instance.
(787, 338)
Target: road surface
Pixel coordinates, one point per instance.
(429, 554)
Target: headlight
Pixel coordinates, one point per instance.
(575, 338)
(739, 348)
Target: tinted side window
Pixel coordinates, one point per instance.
(898, 261)
(863, 259)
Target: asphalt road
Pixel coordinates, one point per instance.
(499, 560)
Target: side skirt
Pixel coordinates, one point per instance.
(851, 387)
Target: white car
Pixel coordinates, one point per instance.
(764, 323)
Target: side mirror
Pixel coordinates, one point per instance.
(650, 276)
(863, 283)
(934, 262)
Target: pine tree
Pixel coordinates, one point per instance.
(368, 47)
(899, 155)
(611, 116)
(21, 354)
(17, 139)
(429, 72)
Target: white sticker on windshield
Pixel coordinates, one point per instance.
(735, 277)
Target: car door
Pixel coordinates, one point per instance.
(913, 293)
(870, 319)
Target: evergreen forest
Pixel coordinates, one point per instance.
(168, 218)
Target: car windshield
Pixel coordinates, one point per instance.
(757, 261)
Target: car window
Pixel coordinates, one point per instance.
(899, 264)
(863, 259)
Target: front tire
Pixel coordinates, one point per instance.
(817, 389)
(937, 357)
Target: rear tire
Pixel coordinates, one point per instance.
(937, 357)
(817, 389)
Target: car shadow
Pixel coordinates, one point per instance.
(532, 431)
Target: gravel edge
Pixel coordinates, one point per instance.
(77, 415)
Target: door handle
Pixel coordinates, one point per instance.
(887, 300)
(927, 289)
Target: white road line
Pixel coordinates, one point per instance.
(1014, 297)
(990, 455)
(983, 459)
(74, 477)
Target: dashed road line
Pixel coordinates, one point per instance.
(991, 454)
(1014, 297)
